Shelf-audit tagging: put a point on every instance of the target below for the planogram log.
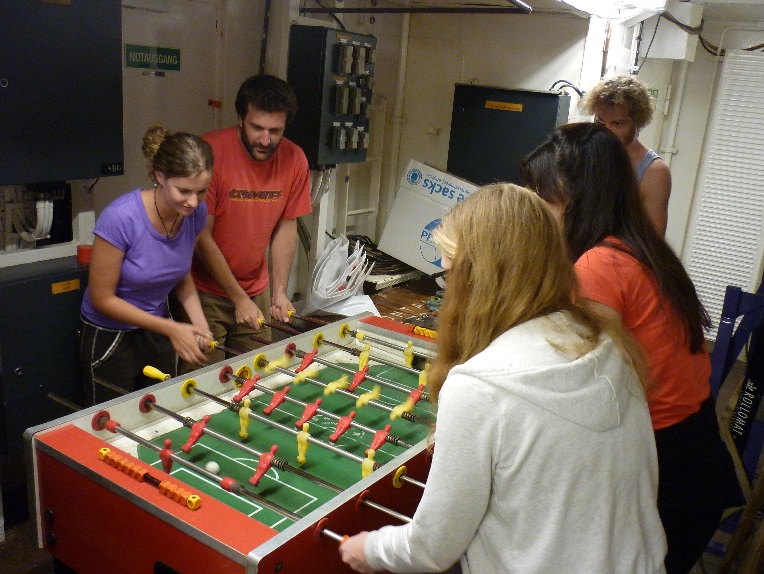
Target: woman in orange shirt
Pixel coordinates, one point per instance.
(626, 269)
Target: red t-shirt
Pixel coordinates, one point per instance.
(248, 198)
(679, 378)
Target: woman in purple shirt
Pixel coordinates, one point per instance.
(144, 241)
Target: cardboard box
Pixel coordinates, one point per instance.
(424, 196)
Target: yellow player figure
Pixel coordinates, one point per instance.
(363, 358)
(283, 362)
(408, 354)
(398, 411)
(372, 395)
(423, 374)
(302, 443)
(340, 383)
(367, 466)
(306, 374)
(244, 418)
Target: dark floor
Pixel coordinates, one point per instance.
(19, 553)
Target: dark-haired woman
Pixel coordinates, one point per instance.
(144, 242)
(627, 270)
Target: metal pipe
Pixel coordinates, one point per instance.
(235, 487)
(281, 427)
(519, 8)
(383, 382)
(279, 463)
(357, 352)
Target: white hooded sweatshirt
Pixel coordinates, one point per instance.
(543, 464)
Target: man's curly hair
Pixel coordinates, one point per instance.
(628, 90)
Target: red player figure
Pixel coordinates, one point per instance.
(415, 395)
(379, 439)
(265, 462)
(246, 388)
(342, 425)
(164, 456)
(307, 414)
(307, 360)
(197, 430)
(358, 378)
(278, 398)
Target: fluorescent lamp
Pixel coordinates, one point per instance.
(618, 9)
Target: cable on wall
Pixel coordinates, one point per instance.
(566, 84)
(650, 45)
(697, 31)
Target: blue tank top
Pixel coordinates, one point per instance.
(649, 158)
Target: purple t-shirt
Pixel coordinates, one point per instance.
(153, 265)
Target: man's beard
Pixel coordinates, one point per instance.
(252, 148)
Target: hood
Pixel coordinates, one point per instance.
(592, 391)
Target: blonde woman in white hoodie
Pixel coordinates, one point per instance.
(544, 458)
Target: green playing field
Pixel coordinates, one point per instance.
(295, 493)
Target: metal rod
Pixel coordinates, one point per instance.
(309, 319)
(234, 407)
(413, 481)
(411, 417)
(260, 340)
(216, 345)
(289, 399)
(283, 328)
(277, 462)
(357, 352)
(63, 401)
(397, 442)
(390, 384)
(111, 387)
(333, 535)
(388, 511)
(364, 336)
(383, 382)
(523, 9)
(236, 488)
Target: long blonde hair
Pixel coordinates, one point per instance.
(508, 265)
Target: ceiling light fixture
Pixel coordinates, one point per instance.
(619, 9)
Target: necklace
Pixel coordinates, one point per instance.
(168, 231)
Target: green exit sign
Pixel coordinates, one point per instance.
(654, 94)
(151, 57)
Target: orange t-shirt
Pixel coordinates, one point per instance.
(679, 378)
(248, 198)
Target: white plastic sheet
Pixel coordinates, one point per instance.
(338, 274)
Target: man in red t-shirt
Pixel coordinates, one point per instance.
(260, 186)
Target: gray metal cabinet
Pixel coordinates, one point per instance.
(39, 365)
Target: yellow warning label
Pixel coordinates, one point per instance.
(64, 286)
(506, 106)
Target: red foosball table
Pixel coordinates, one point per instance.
(261, 463)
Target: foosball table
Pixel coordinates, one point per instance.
(260, 463)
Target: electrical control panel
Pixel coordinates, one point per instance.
(332, 72)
